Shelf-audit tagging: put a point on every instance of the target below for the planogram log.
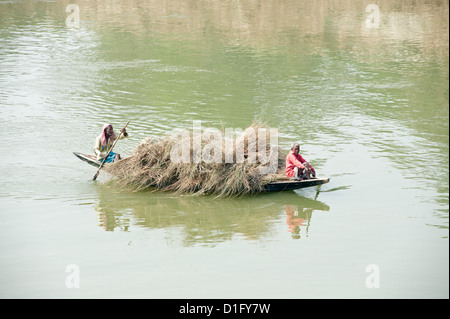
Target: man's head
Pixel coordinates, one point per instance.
(295, 148)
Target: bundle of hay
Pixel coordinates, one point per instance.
(152, 166)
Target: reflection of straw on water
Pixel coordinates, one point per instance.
(151, 166)
(200, 219)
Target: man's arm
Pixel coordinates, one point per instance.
(98, 149)
(306, 163)
(295, 161)
(123, 135)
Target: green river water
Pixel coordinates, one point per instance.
(367, 98)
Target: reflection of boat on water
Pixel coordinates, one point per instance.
(201, 219)
(277, 183)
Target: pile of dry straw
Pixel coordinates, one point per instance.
(151, 167)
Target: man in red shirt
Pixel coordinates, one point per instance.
(296, 166)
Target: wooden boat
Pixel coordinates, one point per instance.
(88, 158)
(282, 183)
(275, 183)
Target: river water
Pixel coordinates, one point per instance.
(365, 93)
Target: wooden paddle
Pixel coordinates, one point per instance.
(104, 159)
